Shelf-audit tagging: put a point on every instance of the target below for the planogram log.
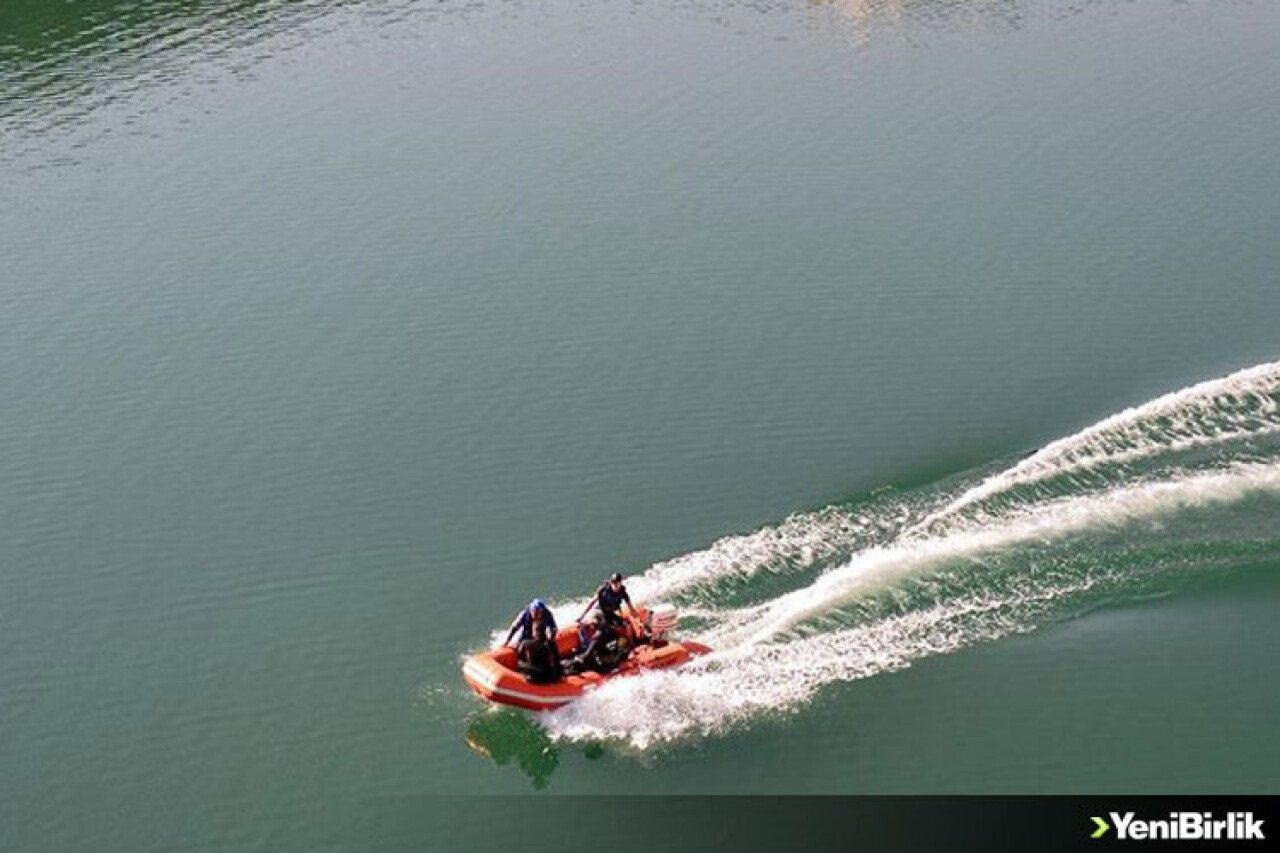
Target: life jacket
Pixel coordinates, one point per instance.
(611, 601)
(526, 624)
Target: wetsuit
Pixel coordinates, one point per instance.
(601, 651)
(539, 660)
(610, 603)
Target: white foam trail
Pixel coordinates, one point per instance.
(1196, 416)
(772, 657)
(799, 543)
(758, 668)
(1119, 508)
(796, 544)
(1242, 405)
(729, 688)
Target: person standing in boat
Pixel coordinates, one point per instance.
(610, 597)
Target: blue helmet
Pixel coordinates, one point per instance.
(537, 604)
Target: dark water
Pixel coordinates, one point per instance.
(331, 332)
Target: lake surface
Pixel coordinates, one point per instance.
(333, 332)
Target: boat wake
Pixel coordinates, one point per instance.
(1132, 506)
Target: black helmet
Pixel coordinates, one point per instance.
(616, 577)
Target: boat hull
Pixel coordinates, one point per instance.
(493, 674)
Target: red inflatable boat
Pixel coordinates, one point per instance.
(494, 676)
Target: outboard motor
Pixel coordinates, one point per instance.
(662, 619)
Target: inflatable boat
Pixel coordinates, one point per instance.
(495, 676)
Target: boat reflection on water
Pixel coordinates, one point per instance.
(503, 735)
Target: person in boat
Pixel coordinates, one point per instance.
(538, 659)
(609, 598)
(536, 654)
(600, 647)
(534, 619)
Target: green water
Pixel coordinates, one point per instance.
(332, 332)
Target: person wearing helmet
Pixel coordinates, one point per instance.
(533, 622)
(536, 655)
(609, 598)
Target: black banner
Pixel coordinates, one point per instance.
(657, 824)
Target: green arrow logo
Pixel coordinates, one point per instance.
(1103, 826)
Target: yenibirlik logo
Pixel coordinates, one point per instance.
(1181, 826)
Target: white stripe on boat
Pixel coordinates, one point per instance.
(483, 677)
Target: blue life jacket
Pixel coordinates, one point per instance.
(524, 624)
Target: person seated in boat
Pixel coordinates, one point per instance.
(536, 655)
(609, 598)
(538, 660)
(528, 622)
(593, 628)
(600, 647)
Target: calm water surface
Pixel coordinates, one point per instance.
(332, 332)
